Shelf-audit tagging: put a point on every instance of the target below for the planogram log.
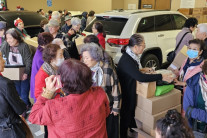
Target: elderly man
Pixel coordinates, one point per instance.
(71, 36)
(66, 27)
(201, 34)
(56, 16)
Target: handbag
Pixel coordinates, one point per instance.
(171, 55)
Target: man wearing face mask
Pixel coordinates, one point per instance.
(201, 34)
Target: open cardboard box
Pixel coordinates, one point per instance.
(79, 43)
(147, 90)
(158, 104)
(14, 72)
(179, 59)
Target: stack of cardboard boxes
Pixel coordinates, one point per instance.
(149, 108)
(199, 13)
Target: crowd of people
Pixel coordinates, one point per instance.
(84, 94)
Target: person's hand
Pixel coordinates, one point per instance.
(115, 113)
(176, 72)
(71, 31)
(50, 83)
(24, 77)
(147, 70)
(167, 77)
(179, 83)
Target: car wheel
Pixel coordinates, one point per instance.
(150, 60)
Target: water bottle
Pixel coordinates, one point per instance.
(5, 59)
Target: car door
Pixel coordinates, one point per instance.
(146, 29)
(165, 34)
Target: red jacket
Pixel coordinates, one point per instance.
(73, 116)
(40, 83)
(101, 40)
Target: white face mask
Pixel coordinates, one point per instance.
(59, 62)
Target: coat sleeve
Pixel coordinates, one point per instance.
(40, 82)
(40, 113)
(13, 99)
(130, 68)
(115, 92)
(196, 113)
(27, 59)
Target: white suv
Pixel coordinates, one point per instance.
(159, 29)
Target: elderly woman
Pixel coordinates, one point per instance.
(20, 27)
(53, 58)
(105, 76)
(106, 58)
(71, 36)
(17, 52)
(195, 102)
(11, 107)
(82, 113)
(192, 64)
(129, 73)
(2, 32)
(44, 39)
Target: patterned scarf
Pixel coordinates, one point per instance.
(203, 86)
(48, 69)
(134, 56)
(97, 75)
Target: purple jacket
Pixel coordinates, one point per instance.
(185, 40)
(190, 100)
(36, 64)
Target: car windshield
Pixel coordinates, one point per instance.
(112, 26)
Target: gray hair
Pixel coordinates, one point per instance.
(94, 50)
(75, 21)
(203, 28)
(55, 15)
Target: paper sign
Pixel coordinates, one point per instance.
(49, 3)
(187, 4)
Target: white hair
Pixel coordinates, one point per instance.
(55, 15)
(202, 28)
(75, 21)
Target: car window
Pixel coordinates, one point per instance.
(179, 21)
(112, 26)
(146, 25)
(163, 23)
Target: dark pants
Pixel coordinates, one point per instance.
(126, 121)
(22, 88)
(112, 126)
(46, 132)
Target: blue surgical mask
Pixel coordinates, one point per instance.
(192, 53)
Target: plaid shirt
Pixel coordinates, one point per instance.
(111, 86)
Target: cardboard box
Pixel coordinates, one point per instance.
(79, 43)
(204, 18)
(142, 134)
(31, 41)
(13, 73)
(186, 11)
(189, 16)
(147, 90)
(179, 59)
(199, 11)
(199, 18)
(155, 105)
(150, 120)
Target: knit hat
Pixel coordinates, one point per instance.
(17, 21)
(68, 18)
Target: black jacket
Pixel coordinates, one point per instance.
(11, 106)
(128, 73)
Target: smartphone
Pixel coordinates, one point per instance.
(58, 83)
